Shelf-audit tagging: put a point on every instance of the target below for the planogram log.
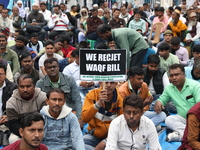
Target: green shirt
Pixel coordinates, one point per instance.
(129, 39)
(11, 57)
(184, 99)
(165, 64)
(55, 84)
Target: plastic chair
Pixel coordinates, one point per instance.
(158, 26)
(92, 43)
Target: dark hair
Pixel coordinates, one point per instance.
(4, 67)
(101, 46)
(49, 42)
(196, 48)
(103, 28)
(21, 38)
(163, 47)
(23, 77)
(34, 34)
(73, 6)
(156, 9)
(66, 37)
(171, 8)
(175, 66)
(56, 6)
(21, 32)
(2, 5)
(24, 55)
(153, 58)
(58, 90)
(134, 101)
(50, 60)
(83, 44)
(94, 10)
(27, 119)
(196, 64)
(161, 9)
(59, 39)
(116, 9)
(43, 4)
(145, 4)
(68, 14)
(3, 36)
(178, 7)
(63, 4)
(75, 52)
(138, 12)
(135, 70)
(175, 41)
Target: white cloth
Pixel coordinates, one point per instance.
(7, 23)
(197, 36)
(181, 18)
(34, 47)
(9, 74)
(165, 83)
(176, 123)
(1, 92)
(46, 14)
(121, 137)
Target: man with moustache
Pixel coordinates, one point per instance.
(193, 34)
(155, 77)
(132, 124)
(167, 38)
(194, 71)
(25, 99)
(36, 21)
(126, 38)
(58, 23)
(196, 55)
(184, 93)
(32, 131)
(177, 26)
(62, 128)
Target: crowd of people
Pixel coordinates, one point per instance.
(44, 104)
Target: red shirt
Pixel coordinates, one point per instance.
(66, 51)
(16, 146)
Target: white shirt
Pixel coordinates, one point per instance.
(165, 83)
(46, 14)
(73, 70)
(35, 47)
(121, 137)
(44, 57)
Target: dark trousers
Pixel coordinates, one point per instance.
(137, 58)
(53, 34)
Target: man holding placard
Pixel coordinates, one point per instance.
(100, 107)
(126, 38)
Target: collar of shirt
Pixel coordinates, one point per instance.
(131, 89)
(4, 84)
(52, 84)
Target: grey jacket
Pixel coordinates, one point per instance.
(68, 85)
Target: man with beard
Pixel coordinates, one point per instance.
(9, 55)
(117, 22)
(58, 23)
(27, 68)
(126, 38)
(106, 17)
(155, 77)
(124, 14)
(32, 132)
(177, 26)
(17, 20)
(193, 32)
(184, 93)
(55, 79)
(25, 99)
(179, 51)
(167, 38)
(49, 53)
(137, 23)
(193, 72)
(62, 124)
(35, 22)
(132, 124)
(20, 46)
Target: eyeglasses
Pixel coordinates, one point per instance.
(84, 12)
